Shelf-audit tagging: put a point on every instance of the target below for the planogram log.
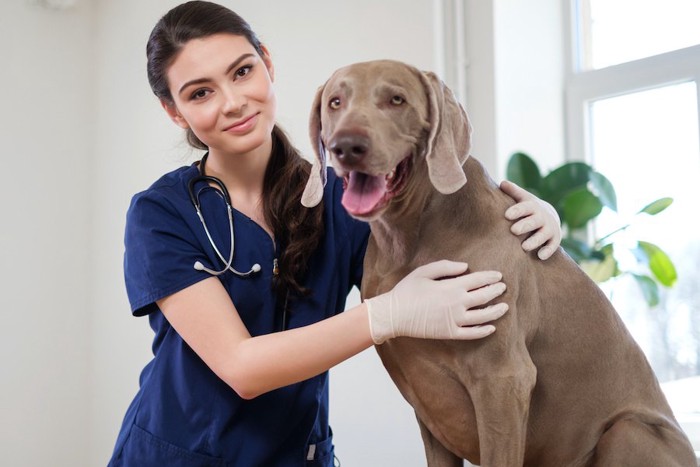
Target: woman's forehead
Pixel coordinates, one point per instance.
(207, 57)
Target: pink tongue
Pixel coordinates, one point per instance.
(363, 193)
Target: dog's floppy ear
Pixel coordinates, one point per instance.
(449, 140)
(313, 192)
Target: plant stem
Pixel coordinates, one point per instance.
(600, 240)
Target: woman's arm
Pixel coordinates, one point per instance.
(207, 320)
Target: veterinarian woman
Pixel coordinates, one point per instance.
(245, 332)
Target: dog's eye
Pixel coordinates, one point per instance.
(334, 103)
(397, 100)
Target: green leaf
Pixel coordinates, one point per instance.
(659, 263)
(600, 271)
(650, 289)
(577, 249)
(657, 206)
(605, 251)
(579, 207)
(524, 171)
(578, 193)
(604, 189)
(564, 179)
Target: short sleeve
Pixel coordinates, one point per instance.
(160, 251)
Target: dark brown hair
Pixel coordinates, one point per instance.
(297, 228)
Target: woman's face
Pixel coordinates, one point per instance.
(222, 91)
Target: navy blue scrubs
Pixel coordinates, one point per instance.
(183, 414)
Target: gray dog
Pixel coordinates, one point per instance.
(561, 382)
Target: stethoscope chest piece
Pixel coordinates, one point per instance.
(218, 186)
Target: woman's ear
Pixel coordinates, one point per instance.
(267, 59)
(174, 114)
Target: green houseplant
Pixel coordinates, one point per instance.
(579, 193)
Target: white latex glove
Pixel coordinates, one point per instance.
(422, 305)
(533, 216)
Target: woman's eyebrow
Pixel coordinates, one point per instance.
(228, 70)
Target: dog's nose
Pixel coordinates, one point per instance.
(350, 148)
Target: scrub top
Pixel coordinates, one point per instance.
(183, 414)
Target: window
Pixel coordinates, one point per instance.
(632, 112)
(618, 31)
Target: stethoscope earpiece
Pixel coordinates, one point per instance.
(194, 198)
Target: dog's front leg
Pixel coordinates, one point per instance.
(501, 392)
(436, 454)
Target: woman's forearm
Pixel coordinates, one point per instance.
(261, 364)
(206, 319)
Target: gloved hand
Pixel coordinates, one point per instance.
(534, 216)
(422, 305)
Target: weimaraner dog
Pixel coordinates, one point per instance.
(561, 382)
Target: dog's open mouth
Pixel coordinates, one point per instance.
(366, 194)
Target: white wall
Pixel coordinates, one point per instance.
(83, 133)
(514, 73)
(529, 60)
(46, 133)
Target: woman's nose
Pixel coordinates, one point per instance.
(233, 102)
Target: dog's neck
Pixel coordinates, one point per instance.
(400, 232)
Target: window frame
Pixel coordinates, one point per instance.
(583, 87)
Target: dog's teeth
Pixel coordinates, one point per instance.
(391, 174)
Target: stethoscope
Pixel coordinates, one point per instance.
(220, 188)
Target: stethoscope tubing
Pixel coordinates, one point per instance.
(221, 189)
(223, 192)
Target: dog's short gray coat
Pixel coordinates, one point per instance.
(561, 382)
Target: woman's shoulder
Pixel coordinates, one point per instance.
(177, 178)
(167, 197)
(171, 186)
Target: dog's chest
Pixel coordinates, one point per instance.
(383, 270)
(375, 283)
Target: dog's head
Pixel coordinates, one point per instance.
(379, 120)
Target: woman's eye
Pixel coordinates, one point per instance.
(199, 94)
(397, 100)
(243, 71)
(334, 103)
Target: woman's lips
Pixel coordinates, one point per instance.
(243, 126)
